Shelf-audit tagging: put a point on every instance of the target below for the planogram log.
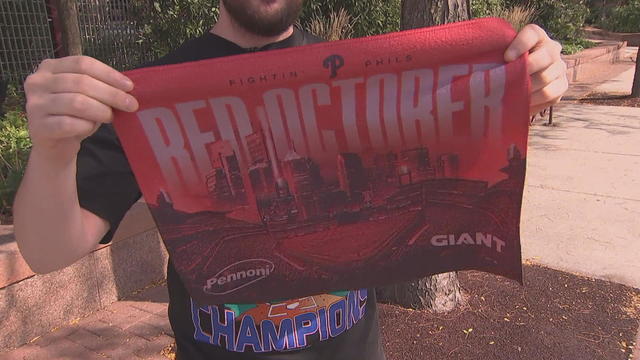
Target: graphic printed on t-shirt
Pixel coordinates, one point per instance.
(280, 325)
(335, 166)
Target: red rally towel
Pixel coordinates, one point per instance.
(335, 166)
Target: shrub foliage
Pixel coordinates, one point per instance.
(485, 8)
(563, 20)
(14, 151)
(165, 24)
(338, 26)
(371, 17)
(625, 18)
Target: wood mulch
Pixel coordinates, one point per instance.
(556, 315)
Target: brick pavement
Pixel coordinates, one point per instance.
(137, 328)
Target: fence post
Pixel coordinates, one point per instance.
(68, 15)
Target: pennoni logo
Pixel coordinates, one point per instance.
(239, 275)
(334, 63)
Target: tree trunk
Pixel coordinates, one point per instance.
(440, 293)
(635, 90)
(421, 13)
(68, 15)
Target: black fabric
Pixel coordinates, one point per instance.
(106, 184)
(107, 187)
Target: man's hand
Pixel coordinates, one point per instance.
(68, 99)
(547, 70)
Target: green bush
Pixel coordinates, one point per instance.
(168, 23)
(602, 10)
(570, 47)
(624, 18)
(518, 15)
(597, 11)
(14, 99)
(338, 26)
(484, 8)
(563, 20)
(14, 151)
(371, 17)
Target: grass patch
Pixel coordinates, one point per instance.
(15, 146)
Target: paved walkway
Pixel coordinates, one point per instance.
(582, 197)
(620, 84)
(134, 329)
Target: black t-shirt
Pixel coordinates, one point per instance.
(315, 327)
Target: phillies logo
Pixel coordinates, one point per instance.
(334, 63)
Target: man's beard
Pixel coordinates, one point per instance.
(254, 18)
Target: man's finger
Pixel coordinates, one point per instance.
(79, 106)
(95, 89)
(89, 66)
(550, 93)
(545, 77)
(544, 56)
(528, 38)
(64, 126)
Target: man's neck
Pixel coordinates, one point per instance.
(230, 30)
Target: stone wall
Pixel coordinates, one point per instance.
(31, 305)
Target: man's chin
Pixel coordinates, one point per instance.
(264, 17)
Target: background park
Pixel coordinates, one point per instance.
(580, 228)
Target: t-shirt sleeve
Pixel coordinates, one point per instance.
(106, 184)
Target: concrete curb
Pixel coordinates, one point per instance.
(633, 39)
(590, 60)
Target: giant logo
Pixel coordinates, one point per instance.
(239, 275)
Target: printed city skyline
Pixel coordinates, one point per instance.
(290, 187)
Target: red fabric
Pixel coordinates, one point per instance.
(335, 166)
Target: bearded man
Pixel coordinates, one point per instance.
(78, 186)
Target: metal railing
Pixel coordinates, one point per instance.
(25, 38)
(110, 33)
(108, 30)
